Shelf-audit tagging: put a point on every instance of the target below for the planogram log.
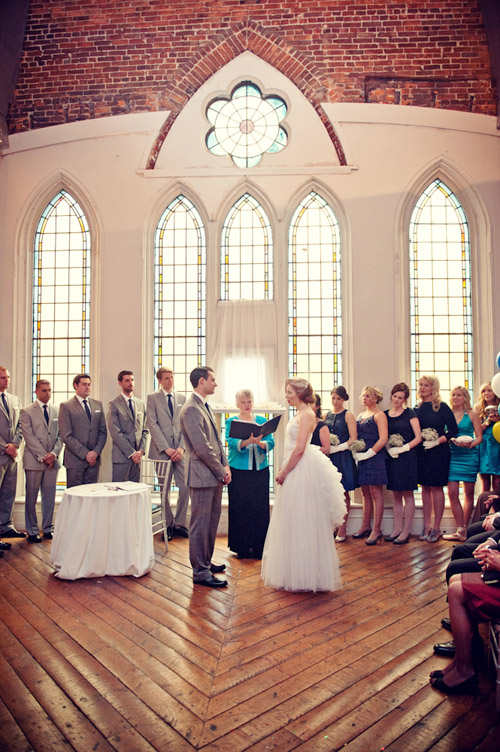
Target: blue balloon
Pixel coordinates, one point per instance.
(498, 359)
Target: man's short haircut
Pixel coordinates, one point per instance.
(79, 377)
(124, 373)
(161, 370)
(201, 372)
(41, 382)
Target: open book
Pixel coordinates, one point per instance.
(243, 429)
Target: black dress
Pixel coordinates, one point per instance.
(402, 471)
(315, 438)
(434, 464)
(343, 461)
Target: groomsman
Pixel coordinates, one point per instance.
(207, 471)
(10, 439)
(43, 445)
(82, 426)
(127, 426)
(167, 445)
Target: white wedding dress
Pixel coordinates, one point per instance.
(299, 552)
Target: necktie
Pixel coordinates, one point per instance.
(46, 414)
(4, 400)
(170, 405)
(131, 408)
(86, 409)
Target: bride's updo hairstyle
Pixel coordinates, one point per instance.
(302, 389)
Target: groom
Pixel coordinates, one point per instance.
(207, 470)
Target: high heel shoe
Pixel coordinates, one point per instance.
(373, 541)
(467, 687)
(362, 533)
(400, 541)
(391, 538)
(425, 534)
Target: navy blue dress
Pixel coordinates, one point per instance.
(402, 472)
(343, 461)
(371, 472)
(434, 464)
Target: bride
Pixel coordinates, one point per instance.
(299, 552)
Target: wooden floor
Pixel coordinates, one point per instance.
(157, 664)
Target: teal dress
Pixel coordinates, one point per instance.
(464, 462)
(489, 453)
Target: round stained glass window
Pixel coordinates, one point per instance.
(246, 126)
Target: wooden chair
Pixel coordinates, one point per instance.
(494, 645)
(154, 474)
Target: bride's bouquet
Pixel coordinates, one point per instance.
(334, 439)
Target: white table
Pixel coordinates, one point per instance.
(103, 530)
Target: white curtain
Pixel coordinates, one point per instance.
(243, 350)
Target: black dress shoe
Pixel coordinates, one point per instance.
(1, 552)
(180, 531)
(446, 623)
(47, 536)
(12, 533)
(362, 533)
(5, 546)
(34, 539)
(467, 687)
(217, 568)
(212, 582)
(170, 533)
(445, 648)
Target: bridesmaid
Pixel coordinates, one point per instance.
(433, 455)
(464, 462)
(321, 434)
(372, 428)
(489, 449)
(342, 423)
(401, 464)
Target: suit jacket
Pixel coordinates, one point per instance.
(164, 429)
(79, 435)
(10, 425)
(40, 437)
(128, 434)
(206, 461)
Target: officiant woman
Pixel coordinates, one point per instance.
(249, 487)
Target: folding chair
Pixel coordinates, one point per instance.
(154, 474)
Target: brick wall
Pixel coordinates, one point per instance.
(94, 58)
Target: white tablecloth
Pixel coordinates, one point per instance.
(100, 531)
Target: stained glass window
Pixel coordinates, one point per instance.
(314, 295)
(246, 125)
(180, 290)
(246, 252)
(61, 295)
(440, 289)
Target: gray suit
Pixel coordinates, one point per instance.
(81, 436)
(10, 433)
(205, 472)
(166, 433)
(129, 435)
(40, 438)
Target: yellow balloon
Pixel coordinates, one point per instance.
(496, 431)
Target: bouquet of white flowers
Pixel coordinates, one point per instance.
(430, 434)
(395, 440)
(359, 445)
(334, 439)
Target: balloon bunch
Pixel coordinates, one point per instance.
(495, 385)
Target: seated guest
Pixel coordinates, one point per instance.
(248, 492)
(472, 598)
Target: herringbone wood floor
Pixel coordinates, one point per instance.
(155, 664)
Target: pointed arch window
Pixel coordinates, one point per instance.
(246, 252)
(440, 289)
(314, 295)
(61, 295)
(180, 290)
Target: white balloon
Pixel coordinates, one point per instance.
(495, 384)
